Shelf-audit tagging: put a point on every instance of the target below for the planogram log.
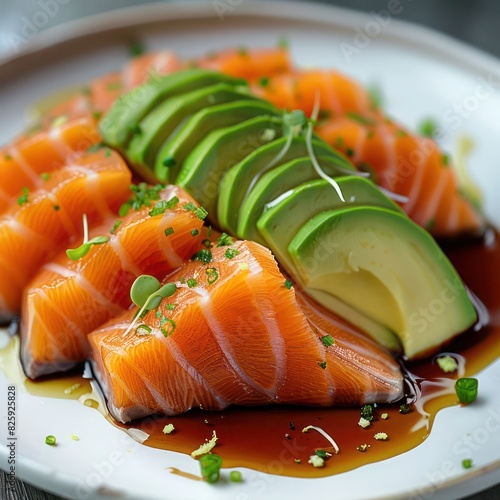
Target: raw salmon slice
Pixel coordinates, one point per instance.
(410, 166)
(27, 158)
(233, 333)
(67, 300)
(248, 63)
(48, 219)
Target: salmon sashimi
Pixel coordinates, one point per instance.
(233, 333)
(68, 299)
(337, 93)
(411, 166)
(140, 69)
(24, 163)
(44, 221)
(248, 63)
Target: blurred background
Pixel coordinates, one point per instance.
(474, 21)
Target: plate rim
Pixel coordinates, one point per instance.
(138, 16)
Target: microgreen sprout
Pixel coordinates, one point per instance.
(147, 293)
(77, 253)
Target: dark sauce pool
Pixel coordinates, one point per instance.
(270, 439)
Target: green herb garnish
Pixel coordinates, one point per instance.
(288, 284)
(367, 412)
(136, 49)
(170, 327)
(84, 248)
(143, 196)
(191, 283)
(204, 255)
(224, 240)
(210, 465)
(50, 440)
(169, 231)
(115, 226)
(428, 128)
(231, 252)
(466, 389)
(201, 213)
(467, 463)
(327, 340)
(264, 81)
(360, 118)
(322, 365)
(169, 162)
(404, 409)
(190, 207)
(24, 197)
(212, 275)
(45, 176)
(194, 232)
(235, 476)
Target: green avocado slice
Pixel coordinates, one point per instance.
(129, 109)
(161, 122)
(272, 185)
(284, 217)
(240, 180)
(387, 267)
(207, 163)
(174, 151)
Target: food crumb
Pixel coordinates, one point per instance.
(205, 447)
(316, 461)
(447, 363)
(298, 461)
(74, 438)
(381, 436)
(363, 447)
(364, 423)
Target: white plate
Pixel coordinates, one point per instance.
(422, 74)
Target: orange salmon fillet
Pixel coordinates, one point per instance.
(235, 335)
(50, 218)
(27, 158)
(67, 300)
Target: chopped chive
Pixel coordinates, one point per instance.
(288, 284)
(322, 365)
(169, 231)
(190, 207)
(360, 118)
(143, 195)
(95, 147)
(24, 197)
(115, 226)
(210, 465)
(143, 330)
(191, 283)
(466, 389)
(445, 160)
(170, 307)
(327, 340)
(401, 133)
(45, 176)
(264, 81)
(209, 231)
(467, 463)
(404, 409)
(321, 453)
(164, 205)
(96, 115)
(107, 152)
(201, 213)
(169, 162)
(231, 252)
(376, 96)
(50, 440)
(224, 240)
(349, 152)
(207, 243)
(136, 49)
(204, 255)
(367, 412)
(194, 232)
(212, 275)
(428, 128)
(235, 476)
(56, 208)
(170, 327)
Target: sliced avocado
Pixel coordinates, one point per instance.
(283, 218)
(240, 180)
(156, 127)
(387, 267)
(129, 109)
(219, 151)
(174, 151)
(272, 185)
